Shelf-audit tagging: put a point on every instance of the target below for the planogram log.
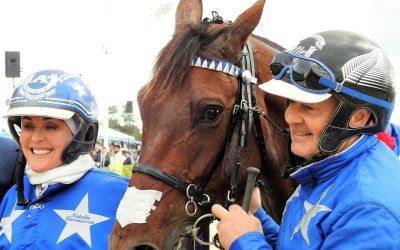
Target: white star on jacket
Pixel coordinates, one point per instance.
(294, 195)
(79, 221)
(6, 223)
(311, 211)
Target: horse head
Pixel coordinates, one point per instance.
(191, 151)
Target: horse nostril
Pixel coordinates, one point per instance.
(143, 247)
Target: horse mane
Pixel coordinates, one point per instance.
(268, 42)
(174, 60)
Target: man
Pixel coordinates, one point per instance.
(340, 87)
(9, 155)
(128, 158)
(103, 158)
(117, 160)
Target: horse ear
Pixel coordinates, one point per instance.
(246, 23)
(188, 12)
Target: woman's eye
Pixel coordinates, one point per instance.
(51, 126)
(211, 114)
(27, 126)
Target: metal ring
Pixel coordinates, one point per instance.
(187, 206)
(228, 197)
(235, 109)
(188, 188)
(243, 104)
(207, 199)
(196, 229)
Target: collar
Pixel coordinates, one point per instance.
(331, 165)
(65, 174)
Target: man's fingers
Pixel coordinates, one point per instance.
(234, 207)
(255, 202)
(218, 211)
(221, 213)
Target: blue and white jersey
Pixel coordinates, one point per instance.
(347, 201)
(80, 215)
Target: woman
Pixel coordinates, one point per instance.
(340, 88)
(69, 204)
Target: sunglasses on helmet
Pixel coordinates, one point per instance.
(302, 71)
(313, 76)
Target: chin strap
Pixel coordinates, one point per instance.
(20, 182)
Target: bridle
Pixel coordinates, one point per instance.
(245, 114)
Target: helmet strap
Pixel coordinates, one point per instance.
(338, 130)
(82, 143)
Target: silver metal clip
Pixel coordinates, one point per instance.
(338, 87)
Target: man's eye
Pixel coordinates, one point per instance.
(309, 107)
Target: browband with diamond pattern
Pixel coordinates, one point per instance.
(221, 66)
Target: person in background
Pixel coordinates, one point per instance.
(128, 158)
(341, 92)
(103, 157)
(63, 201)
(9, 155)
(117, 160)
(93, 154)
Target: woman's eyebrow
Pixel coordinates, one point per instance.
(43, 118)
(48, 118)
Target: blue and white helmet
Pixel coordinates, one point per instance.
(61, 95)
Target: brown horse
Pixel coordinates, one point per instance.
(187, 112)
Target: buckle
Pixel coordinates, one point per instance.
(338, 87)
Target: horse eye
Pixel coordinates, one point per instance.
(211, 114)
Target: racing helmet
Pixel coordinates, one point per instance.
(342, 64)
(61, 95)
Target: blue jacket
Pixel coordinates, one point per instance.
(8, 163)
(347, 201)
(80, 215)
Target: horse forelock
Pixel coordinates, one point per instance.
(174, 60)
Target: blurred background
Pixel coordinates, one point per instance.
(113, 43)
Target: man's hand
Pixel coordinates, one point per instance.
(234, 223)
(255, 202)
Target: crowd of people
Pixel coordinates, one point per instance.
(340, 87)
(114, 159)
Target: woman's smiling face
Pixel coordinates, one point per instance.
(43, 140)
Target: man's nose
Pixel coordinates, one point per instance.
(292, 113)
